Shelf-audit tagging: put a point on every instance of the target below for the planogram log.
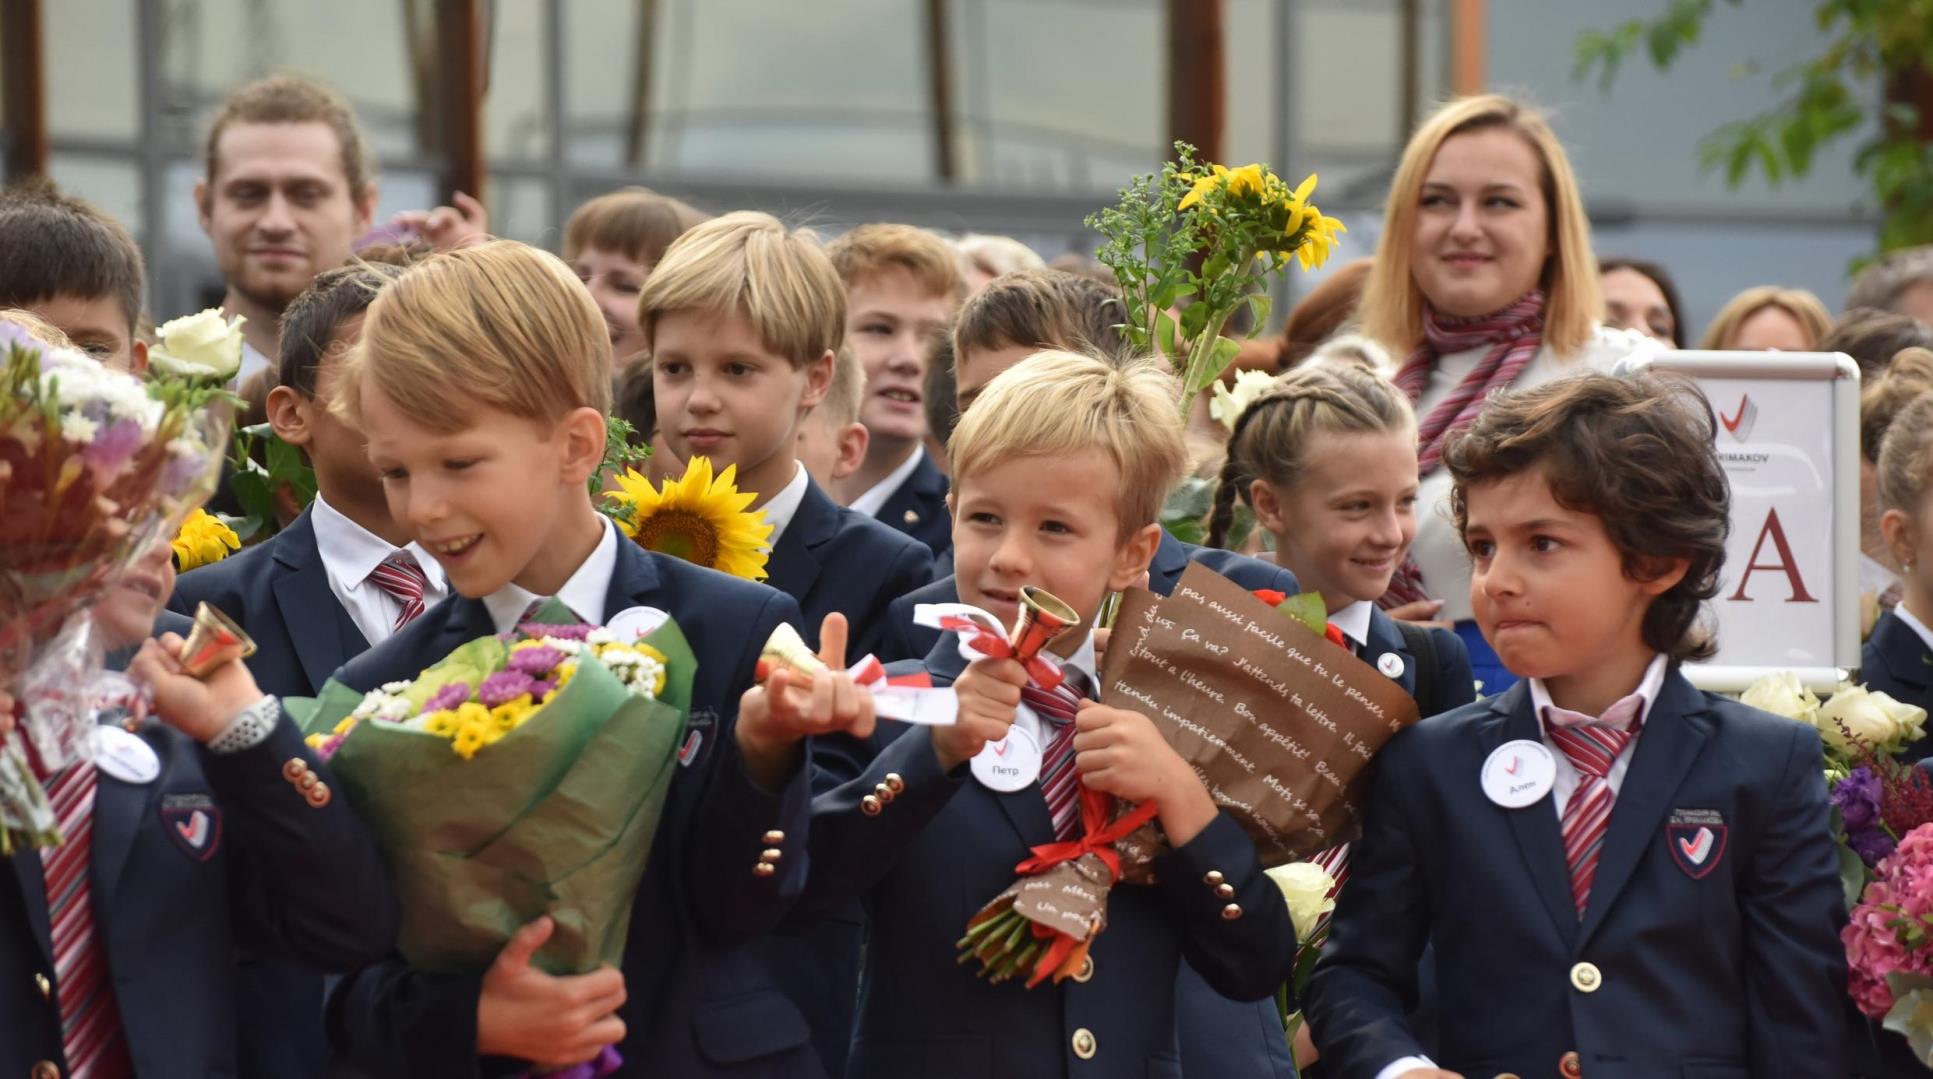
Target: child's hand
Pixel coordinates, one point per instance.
(550, 1021)
(447, 228)
(774, 717)
(200, 708)
(989, 691)
(1121, 753)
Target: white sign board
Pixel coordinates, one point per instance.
(1788, 438)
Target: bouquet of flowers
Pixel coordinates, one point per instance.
(1887, 943)
(94, 465)
(522, 775)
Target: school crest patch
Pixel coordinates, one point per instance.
(193, 822)
(1697, 840)
(698, 728)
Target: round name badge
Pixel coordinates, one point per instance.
(125, 756)
(1519, 773)
(1009, 764)
(1390, 664)
(632, 623)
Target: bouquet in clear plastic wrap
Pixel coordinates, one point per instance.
(95, 465)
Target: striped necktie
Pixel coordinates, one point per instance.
(402, 578)
(90, 1023)
(1059, 783)
(1592, 745)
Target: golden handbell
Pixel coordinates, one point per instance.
(214, 640)
(1042, 618)
(786, 650)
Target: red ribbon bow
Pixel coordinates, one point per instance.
(1098, 837)
(994, 646)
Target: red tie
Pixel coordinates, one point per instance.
(1592, 745)
(90, 1023)
(401, 577)
(1059, 783)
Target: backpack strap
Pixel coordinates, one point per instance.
(1421, 645)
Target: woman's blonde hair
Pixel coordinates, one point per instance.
(498, 325)
(747, 264)
(1058, 403)
(1392, 307)
(1803, 306)
(37, 328)
(1306, 404)
(1900, 408)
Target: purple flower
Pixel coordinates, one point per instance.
(1871, 845)
(504, 687)
(1857, 798)
(448, 697)
(111, 449)
(540, 691)
(575, 631)
(535, 661)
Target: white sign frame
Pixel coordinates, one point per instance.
(1843, 373)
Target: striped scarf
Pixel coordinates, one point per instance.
(1514, 334)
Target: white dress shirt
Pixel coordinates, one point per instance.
(350, 553)
(782, 507)
(1353, 621)
(1913, 623)
(875, 497)
(584, 593)
(1566, 783)
(252, 361)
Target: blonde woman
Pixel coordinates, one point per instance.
(1484, 280)
(1769, 318)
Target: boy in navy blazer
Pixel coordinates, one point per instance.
(482, 383)
(338, 578)
(210, 832)
(1621, 876)
(903, 286)
(1069, 508)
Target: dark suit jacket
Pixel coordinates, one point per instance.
(901, 639)
(946, 845)
(697, 1004)
(279, 592)
(1454, 687)
(1726, 967)
(833, 559)
(918, 508)
(273, 876)
(1897, 663)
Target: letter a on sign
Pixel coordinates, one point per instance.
(1786, 564)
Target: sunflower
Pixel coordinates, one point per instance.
(697, 518)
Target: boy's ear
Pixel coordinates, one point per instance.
(1663, 575)
(852, 450)
(288, 416)
(1896, 531)
(818, 379)
(582, 432)
(137, 356)
(1131, 559)
(1268, 509)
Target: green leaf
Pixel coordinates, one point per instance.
(1259, 306)
(1307, 609)
(1165, 334)
(1852, 875)
(251, 489)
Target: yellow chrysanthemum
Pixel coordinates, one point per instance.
(563, 673)
(511, 714)
(443, 724)
(697, 518)
(469, 738)
(344, 725)
(314, 741)
(203, 539)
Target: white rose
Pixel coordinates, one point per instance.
(201, 345)
(1782, 694)
(1872, 720)
(1305, 887)
(1227, 405)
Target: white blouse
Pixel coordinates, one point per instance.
(1438, 549)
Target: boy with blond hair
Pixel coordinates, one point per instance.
(1058, 478)
(832, 441)
(482, 382)
(902, 288)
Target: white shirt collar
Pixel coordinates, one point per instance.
(350, 552)
(875, 498)
(1353, 621)
(1913, 623)
(253, 360)
(584, 593)
(1648, 689)
(782, 507)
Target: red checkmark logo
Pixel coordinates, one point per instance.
(999, 748)
(1732, 421)
(1512, 766)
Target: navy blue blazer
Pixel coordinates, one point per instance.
(698, 1004)
(944, 846)
(278, 590)
(1727, 965)
(1896, 662)
(1454, 685)
(918, 507)
(901, 639)
(270, 874)
(834, 559)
